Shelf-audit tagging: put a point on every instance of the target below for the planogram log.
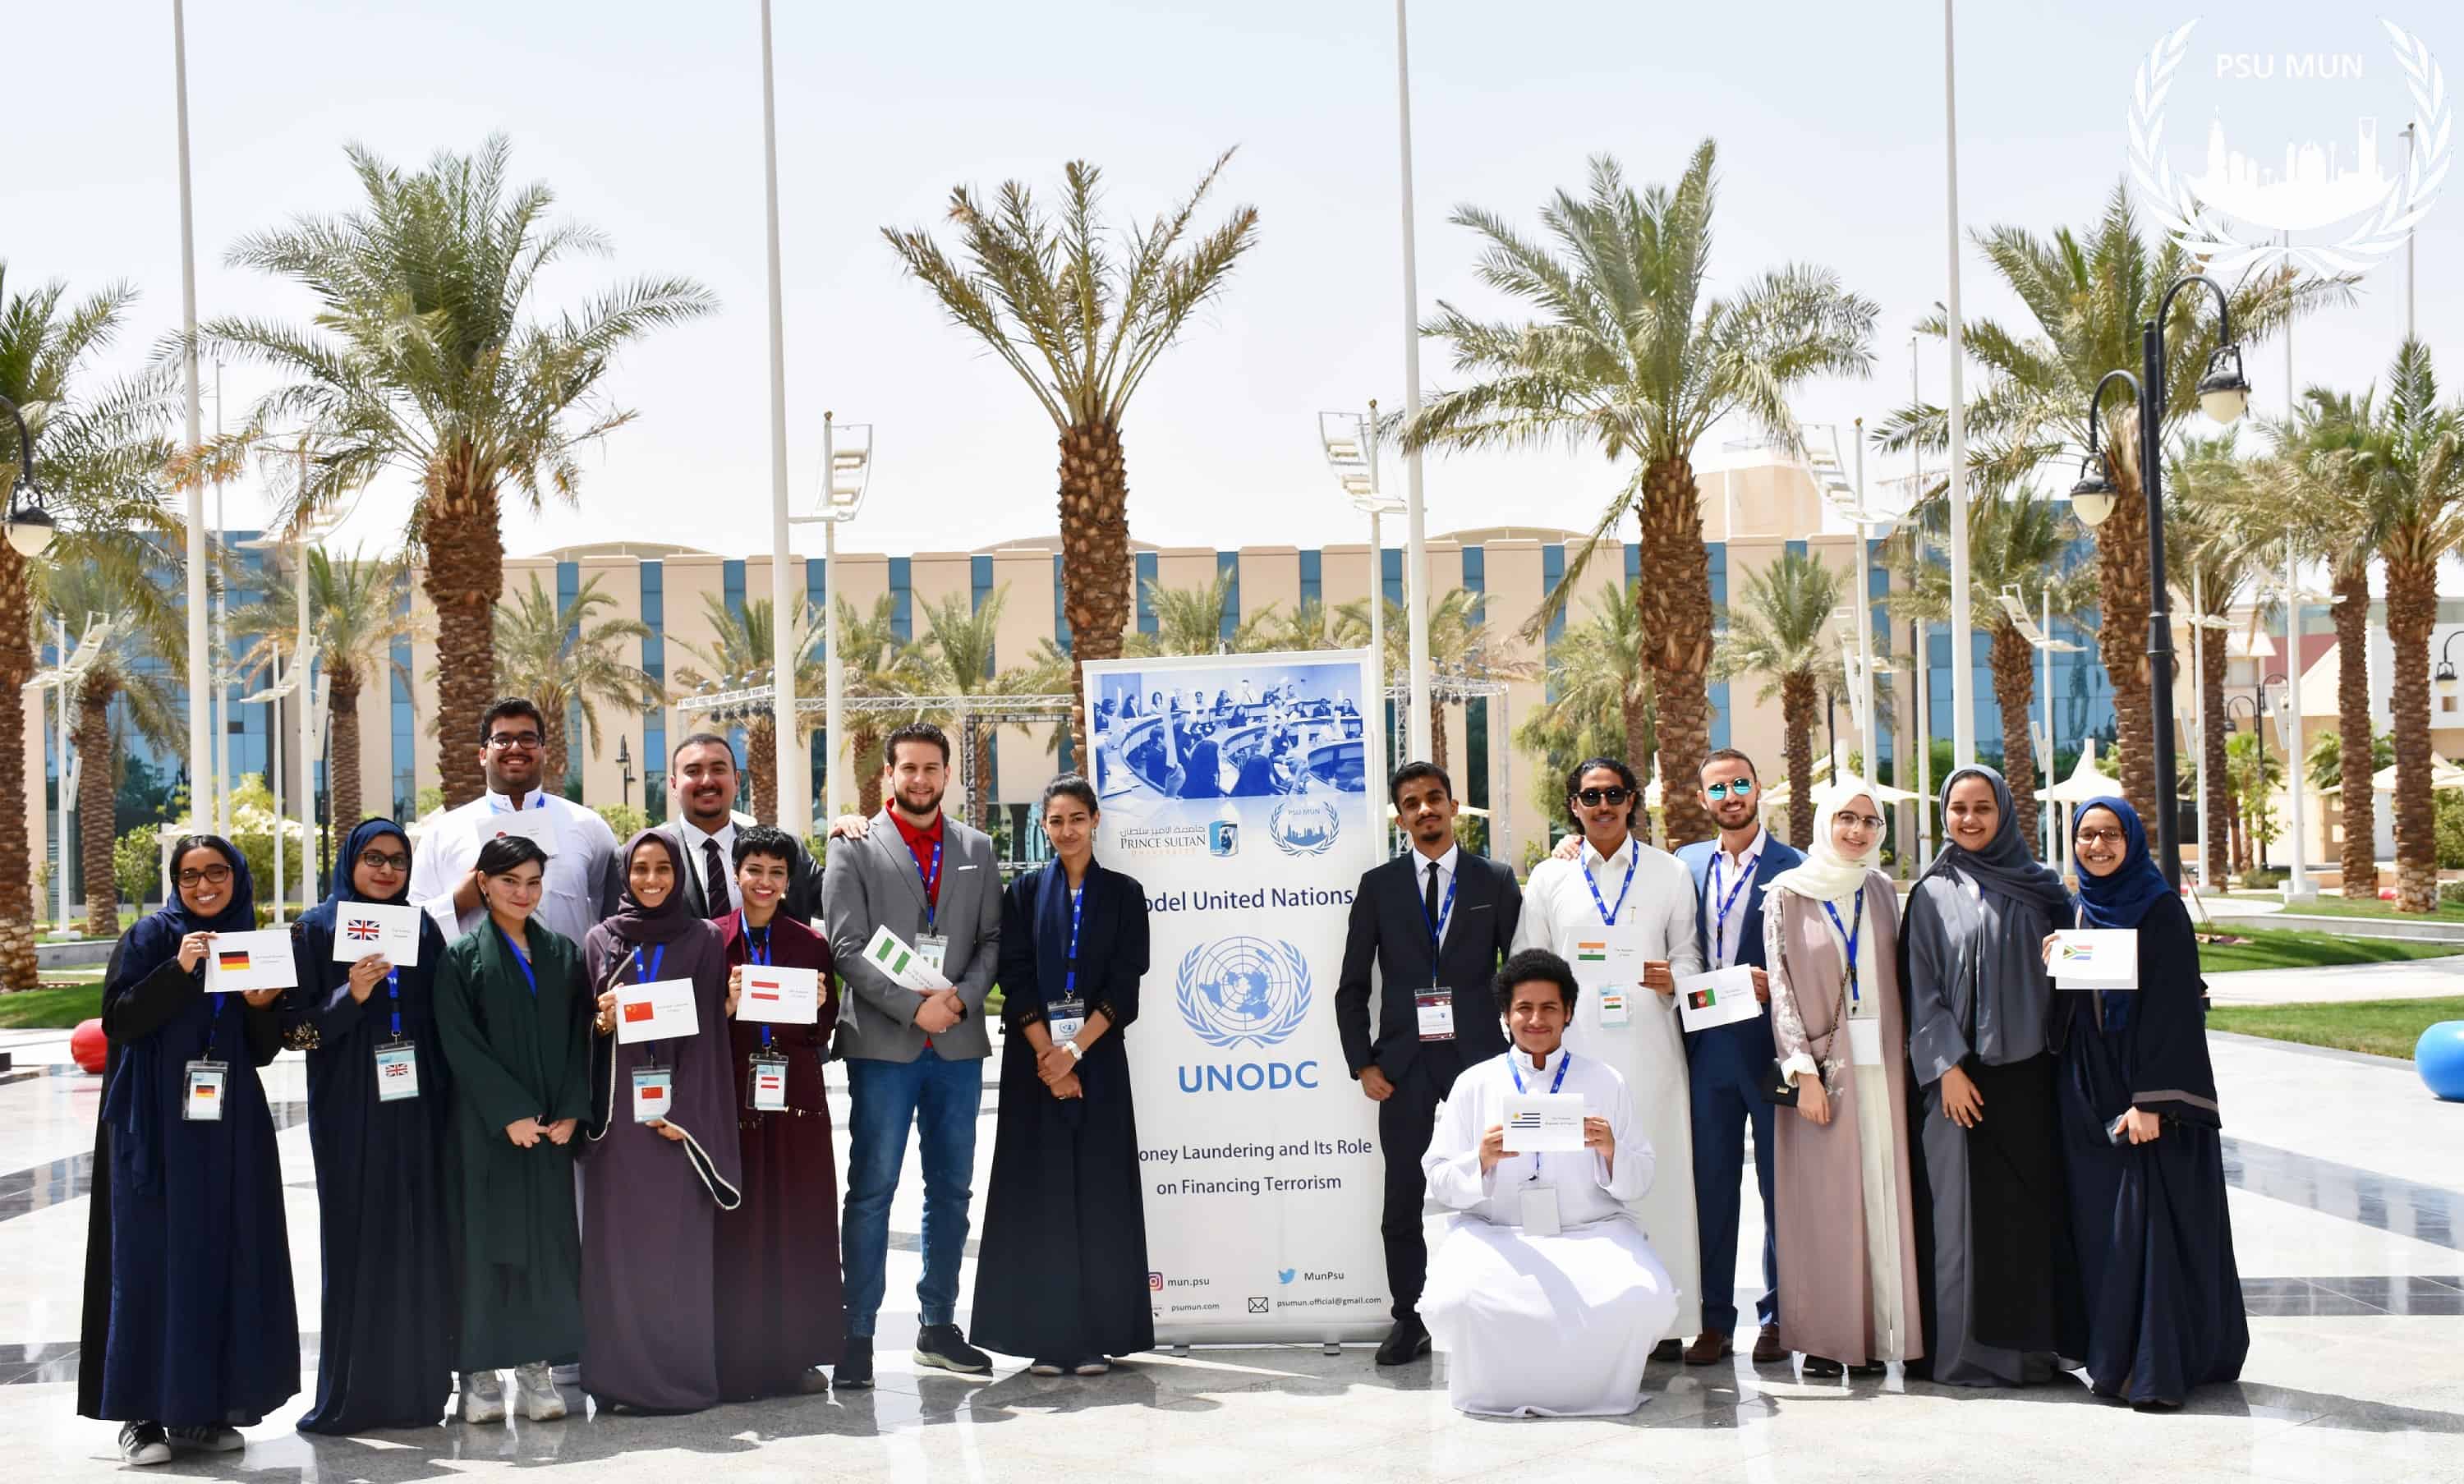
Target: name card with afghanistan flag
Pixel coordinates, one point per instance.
(236, 962)
(364, 927)
(1720, 997)
(783, 996)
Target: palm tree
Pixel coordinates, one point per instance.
(1081, 327)
(1632, 355)
(2326, 765)
(569, 661)
(2016, 543)
(1458, 649)
(875, 662)
(2208, 560)
(1190, 621)
(2256, 774)
(114, 587)
(355, 613)
(98, 450)
(1780, 631)
(1310, 626)
(1599, 698)
(424, 358)
(741, 655)
(2087, 294)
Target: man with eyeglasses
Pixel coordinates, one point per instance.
(582, 879)
(1724, 1064)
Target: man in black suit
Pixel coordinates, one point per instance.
(1436, 921)
(701, 824)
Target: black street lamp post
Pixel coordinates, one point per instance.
(30, 525)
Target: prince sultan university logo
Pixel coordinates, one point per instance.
(2209, 213)
(1244, 990)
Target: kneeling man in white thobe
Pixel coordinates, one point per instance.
(1544, 1295)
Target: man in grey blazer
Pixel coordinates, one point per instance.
(911, 1057)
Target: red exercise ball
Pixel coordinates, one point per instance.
(86, 1045)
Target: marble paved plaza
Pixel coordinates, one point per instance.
(2347, 1203)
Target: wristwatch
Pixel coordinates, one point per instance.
(1071, 1047)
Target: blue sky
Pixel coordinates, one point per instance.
(646, 120)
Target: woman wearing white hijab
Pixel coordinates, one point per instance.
(1844, 1218)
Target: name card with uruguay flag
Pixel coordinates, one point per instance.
(786, 997)
(2095, 958)
(658, 1010)
(1720, 997)
(364, 927)
(240, 961)
(1544, 1122)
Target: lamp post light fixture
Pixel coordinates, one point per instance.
(2445, 675)
(847, 475)
(625, 768)
(31, 526)
(1349, 442)
(2224, 395)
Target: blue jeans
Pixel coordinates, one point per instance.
(941, 1098)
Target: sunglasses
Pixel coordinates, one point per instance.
(1739, 789)
(383, 860)
(1594, 797)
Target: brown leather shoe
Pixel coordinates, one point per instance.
(1707, 1348)
(1768, 1350)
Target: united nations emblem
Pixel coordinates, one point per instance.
(1244, 990)
(1303, 825)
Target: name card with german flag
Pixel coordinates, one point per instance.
(786, 997)
(658, 1010)
(239, 961)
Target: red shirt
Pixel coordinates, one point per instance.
(920, 845)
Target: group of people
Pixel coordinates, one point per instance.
(1962, 1168)
(507, 1183)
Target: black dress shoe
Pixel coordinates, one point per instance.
(855, 1369)
(1407, 1341)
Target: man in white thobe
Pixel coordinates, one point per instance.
(581, 872)
(1544, 1295)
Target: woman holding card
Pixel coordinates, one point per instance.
(780, 1308)
(376, 1101)
(663, 1160)
(1062, 1276)
(513, 1017)
(1847, 1254)
(189, 1331)
(2139, 1138)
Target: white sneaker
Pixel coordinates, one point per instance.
(541, 1400)
(483, 1396)
(142, 1443)
(209, 1440)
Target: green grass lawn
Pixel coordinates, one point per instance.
(51, 1007)
(2330, 905)
(2280, 948)
(2382, 1027)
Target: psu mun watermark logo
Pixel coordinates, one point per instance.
(2330, 206)
(1243, 991)
(1303, 825)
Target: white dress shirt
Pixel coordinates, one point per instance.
(579, 878)
(1719, 882)
(1446, 864)
(721, 894)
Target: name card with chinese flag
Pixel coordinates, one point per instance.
(658, 1010)
(786, 997)
(239, 961)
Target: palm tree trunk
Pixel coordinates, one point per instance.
(2015, 687)
(18, 968)
(94, 807)
(2352, 612)
(762, 747)
(2123, 599)
(1796, 697)
(2212, 783)
(1639, 744)
(342, 684)
(464, 576)
(979, 788)
(1095, 567)
(2411, 612)
(1438, 749)
(864, 759)
(1672, 603)
(552, 746)
(2235, 836)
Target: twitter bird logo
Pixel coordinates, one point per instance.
(1284, 1274)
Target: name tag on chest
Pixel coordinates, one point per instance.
(1616, 1011)
(1539, 1215)
(934, 948)
(203, 1102)
(1064, 1018)
(1865, 1042)
(766, 1089)
(653, 1093)
(397, 1071)
(1437, 1013)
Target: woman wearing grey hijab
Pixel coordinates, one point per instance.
(1991, 1248)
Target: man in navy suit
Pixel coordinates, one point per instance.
(1724, 1064)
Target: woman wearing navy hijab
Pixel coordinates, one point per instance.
(385, 1353)
(189, 1332)
(2140, 1139)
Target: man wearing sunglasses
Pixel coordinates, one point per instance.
(1724, 1064)
(581, 871)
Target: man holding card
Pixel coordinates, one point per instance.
(1544, 1294)
(581, 871)
(915, 1055)
(1433, 922)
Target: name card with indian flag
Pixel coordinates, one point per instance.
(658, 1010)
(786, 997)
(1720, 997)
(240, 961)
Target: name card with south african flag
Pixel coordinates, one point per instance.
(2095, 958)
(364, 927)
(241, 961)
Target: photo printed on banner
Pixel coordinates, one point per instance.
(1236, 729)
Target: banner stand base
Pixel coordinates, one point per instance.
(1331, 1347)
(1180, 1352)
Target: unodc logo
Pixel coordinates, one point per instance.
(1244, 990)
(1304, 826)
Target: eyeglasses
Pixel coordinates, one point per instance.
(508, 741)
(1740, 788)
(2100, 836)
(211, 876)
(1862, 822)
(383, 860)
(1595, 798)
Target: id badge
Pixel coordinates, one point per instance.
(934, 948)
(1865, 1042)
(1540, 1211)
(652, 1089)
(1616, 1010)
(207, 1082)
(397, 1071)
(1064, 1018)
(767, 1090)
(1437, 1009)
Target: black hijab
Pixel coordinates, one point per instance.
(2004, 866)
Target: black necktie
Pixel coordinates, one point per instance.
(1430, 900)
(714, 879)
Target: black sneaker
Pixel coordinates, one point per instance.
(143, 1443)
(1407, 1341)
(855, 1369)
(210, 1440)
(942, 1346)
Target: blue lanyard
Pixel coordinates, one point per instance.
(1720, 929)
(393, 999)
(759, 954)
(658, 956)
(529, 976)
(931, 885)
(1609, 914)
(1515, 1066)
(1077, 906)
(1856, 925)
(1445, 910)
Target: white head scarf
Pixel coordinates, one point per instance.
(1827, 875)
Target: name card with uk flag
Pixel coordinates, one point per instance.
(781, 996)
(658, 1010)
(364, 927)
